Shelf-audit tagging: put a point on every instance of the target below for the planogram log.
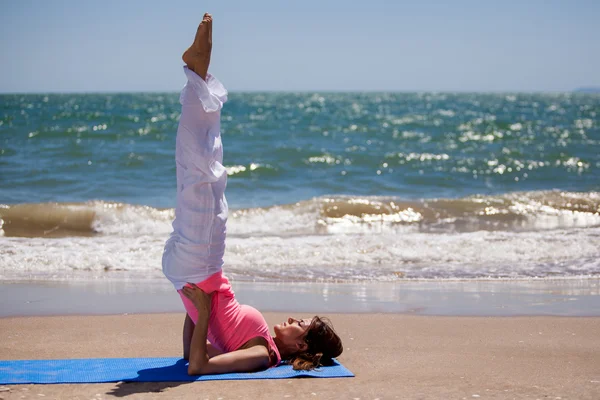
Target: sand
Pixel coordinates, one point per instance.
(392, 355)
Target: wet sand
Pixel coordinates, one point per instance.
(550, 297)
(392, 355)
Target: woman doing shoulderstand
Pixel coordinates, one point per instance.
(219, 334)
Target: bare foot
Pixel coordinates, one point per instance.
(197, 56)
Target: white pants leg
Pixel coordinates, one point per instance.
(195, 249)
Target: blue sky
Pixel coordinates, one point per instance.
(333, 45)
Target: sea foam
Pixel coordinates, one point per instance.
(338, 238)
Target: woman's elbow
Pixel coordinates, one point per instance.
(194, 369)
(197, 367)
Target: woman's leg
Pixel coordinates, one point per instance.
(195, 249)
(188, 332)
(201, 207)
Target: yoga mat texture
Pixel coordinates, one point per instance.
(97, 370)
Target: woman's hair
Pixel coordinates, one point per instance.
(323, 345)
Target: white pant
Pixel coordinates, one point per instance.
(195, 249)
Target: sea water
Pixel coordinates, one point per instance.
(331, 187)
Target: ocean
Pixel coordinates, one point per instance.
(322, 187)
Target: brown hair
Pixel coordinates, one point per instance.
(323, 345)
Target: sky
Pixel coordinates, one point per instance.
(281, 45)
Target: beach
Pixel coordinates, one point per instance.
(452, 238)
(455, 340)
(392, 356)
(425, 175)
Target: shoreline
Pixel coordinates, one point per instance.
(557, 297)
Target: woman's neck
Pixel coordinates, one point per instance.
(284, 352)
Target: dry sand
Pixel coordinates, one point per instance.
(393, 356)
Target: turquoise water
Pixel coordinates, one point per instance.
(322, 186)
(286, 147)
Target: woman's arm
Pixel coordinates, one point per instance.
(198, 350)
(247, 360)
(188, 332)
(200, 363)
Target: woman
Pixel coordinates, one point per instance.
(219, 334)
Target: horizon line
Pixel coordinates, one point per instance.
(580, 90)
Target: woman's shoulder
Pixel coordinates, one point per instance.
(252, 316)
(253, 321)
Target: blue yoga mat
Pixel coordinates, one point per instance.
(97, 370)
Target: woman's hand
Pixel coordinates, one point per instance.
(198, 297)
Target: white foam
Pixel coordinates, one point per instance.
(126, 220)
(95, 257)
(132, 221)
(374, 257)
(297, 242)
(299, 219)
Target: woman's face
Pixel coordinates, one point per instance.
(292, 330)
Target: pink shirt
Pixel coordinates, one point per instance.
(231, 324)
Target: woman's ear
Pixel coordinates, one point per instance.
(301, 346)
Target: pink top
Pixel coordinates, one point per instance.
(231, 324)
